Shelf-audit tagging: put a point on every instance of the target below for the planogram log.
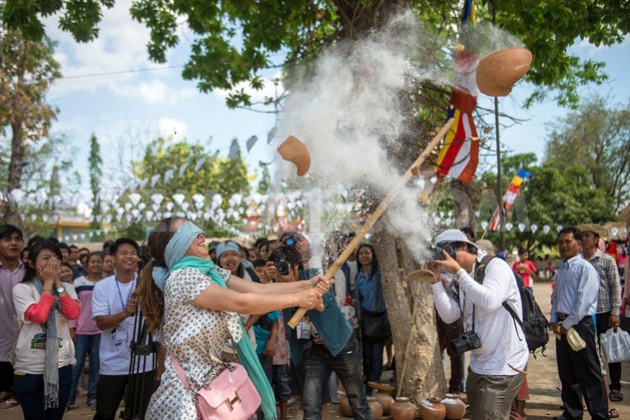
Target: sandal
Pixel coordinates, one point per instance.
(613, 413)
(10, 403)
(615, 396)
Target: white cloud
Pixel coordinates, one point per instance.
(120, 46)
(175, 129)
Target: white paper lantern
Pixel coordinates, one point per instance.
(135, 198)
(546, 229)
(484, 224)
(559, 228)
(179, 198)
(157, 199)
(534, 228)
(509, 226)
(521, 227)
(169, 207)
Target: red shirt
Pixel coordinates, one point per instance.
(523, 269)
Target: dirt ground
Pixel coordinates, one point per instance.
(543, 379)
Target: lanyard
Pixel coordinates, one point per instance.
(124, 302)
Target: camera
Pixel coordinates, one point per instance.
(283, 267)
(437, 251)
(466, 342)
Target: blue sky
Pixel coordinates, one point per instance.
(137, 107)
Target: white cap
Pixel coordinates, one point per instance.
(453, 235)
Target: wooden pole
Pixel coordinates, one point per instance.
(297, 317)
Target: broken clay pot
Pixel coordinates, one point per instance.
(498, 72)
(294, 151)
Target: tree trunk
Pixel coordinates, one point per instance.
(424, 373)
(15, 169)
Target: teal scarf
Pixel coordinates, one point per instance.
(246, 353)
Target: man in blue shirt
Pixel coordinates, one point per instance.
(574, 306)
(333, 347)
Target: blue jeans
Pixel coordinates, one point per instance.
(30, 392)
(373, 361)
(86, 344)
(347, 366)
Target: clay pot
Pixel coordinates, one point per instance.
(376, 408)
(497, 72)
(431, 409)
(383, 395)
(402, 409)
(344, 405)
(293, 150)
(455, 407)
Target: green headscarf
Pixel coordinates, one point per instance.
(246, 353)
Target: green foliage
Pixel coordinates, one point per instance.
(224, 176)
(96, 172)
(550, 197)
(595, 137)
(264, 185)
(235, 40)
(79, 17)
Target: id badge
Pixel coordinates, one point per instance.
(304, 331)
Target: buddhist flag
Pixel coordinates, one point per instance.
(459, 155)
(510, 197)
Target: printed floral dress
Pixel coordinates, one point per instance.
(192, 334)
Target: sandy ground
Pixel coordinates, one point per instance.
(543, 379)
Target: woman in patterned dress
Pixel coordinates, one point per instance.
(197, 316)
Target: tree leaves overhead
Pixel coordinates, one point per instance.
(551, 197)
(234, 40)
(595, 137)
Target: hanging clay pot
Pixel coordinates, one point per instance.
(293, 150)
(383, 395)
(455, 407)
(375, 408)
(498, 72)
(402, 409)
(431, 409)
(344, 404)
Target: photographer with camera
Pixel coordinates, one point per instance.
(499, 353)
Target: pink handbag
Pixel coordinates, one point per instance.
(230, 396)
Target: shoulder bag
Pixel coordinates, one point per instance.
(231, 395)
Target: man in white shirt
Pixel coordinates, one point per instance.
(113, 308)
(496, 368)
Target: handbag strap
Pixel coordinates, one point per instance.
(180, 371)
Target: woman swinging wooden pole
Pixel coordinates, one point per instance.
(413, 170)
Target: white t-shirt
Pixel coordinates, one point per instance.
(110, 298)
(30, 350)
(354, 270)
(502, 342)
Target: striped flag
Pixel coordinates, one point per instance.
(459, 155)
(510, 196)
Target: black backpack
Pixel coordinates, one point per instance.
(534, 324)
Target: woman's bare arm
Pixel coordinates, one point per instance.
(218, 298)
(244, 286)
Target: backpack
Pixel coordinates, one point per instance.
(534, 324)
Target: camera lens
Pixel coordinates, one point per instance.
(282, 267)
(289, 241)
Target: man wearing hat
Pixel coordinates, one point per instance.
(499, 353)
(609, 299)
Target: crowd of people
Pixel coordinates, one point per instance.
(158, 321)
(474, 291)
